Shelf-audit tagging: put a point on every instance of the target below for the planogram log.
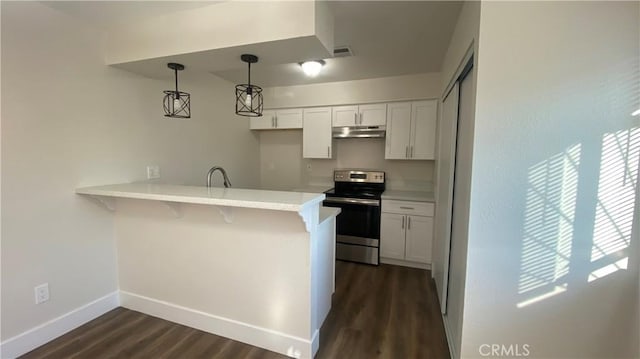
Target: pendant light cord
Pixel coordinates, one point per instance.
(249, 76)
(176, 73)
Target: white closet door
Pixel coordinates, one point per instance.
(461, 200)
(446, 165)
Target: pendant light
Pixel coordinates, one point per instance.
(176, 104)
(248, 96)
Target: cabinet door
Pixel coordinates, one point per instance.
(373, 115)
(264, 122)
(290, 118)
(398, 131)
(423, 138)
(392, 231)
(345, 116)
(316, 133)
(419, 238)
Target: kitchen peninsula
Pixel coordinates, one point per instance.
(254, 266)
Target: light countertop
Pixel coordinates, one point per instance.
(231, 197)
(416, 196)
(328, 212)
(314, 188)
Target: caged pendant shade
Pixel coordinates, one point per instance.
(248, 96)
(176, 104)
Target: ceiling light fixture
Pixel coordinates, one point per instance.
(312, 68)
(248, 96)
(176, 103)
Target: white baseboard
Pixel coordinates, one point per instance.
(447, 332)
(315, 343)
(42, 334)
(247, 333)
(398, 262)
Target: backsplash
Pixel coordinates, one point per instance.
(283, 168)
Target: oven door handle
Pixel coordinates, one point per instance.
(366, 202)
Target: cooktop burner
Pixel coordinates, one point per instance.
(355, 194)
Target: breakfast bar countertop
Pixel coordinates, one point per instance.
(230, 197)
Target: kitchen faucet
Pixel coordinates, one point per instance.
(227, 183)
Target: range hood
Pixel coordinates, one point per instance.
(359, 132)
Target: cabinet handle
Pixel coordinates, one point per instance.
(408, 222)
(360, 118)
(276, 121)
(355, 118)
(401, 207)
(406, 151)
(328, 151)
(402, 222)
(411, 151)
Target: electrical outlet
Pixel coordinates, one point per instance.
(42, 293)
(153, 172)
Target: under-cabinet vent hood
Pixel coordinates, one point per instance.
(359, 132)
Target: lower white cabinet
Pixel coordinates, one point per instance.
(406, 231)
(316, 133)
(418, 239)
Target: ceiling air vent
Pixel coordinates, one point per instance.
(343, 51)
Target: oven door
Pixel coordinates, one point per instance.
(359, 217)
(357, 229)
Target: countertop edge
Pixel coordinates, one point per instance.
(411, 196)
(192, 199)
(327, 213)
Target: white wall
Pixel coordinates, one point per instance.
(465, 35)
(223, 25)
(396, 88)
(68, 120)
(554, 169)
(463, 43)
(281, 162)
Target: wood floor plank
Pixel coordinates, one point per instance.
(384, 312)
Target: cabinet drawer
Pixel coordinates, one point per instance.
(408, 207)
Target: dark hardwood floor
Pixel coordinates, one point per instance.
(377, 312)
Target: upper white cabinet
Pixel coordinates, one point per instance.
(360, 115)
(277, 119)
(424, 120)
(398, 130)
(411, 130)
(316, 133)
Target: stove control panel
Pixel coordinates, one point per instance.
(362, 176)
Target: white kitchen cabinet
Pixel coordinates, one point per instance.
(406, 231)
(345, 116)
(424, 119)
(373, 115)
(411, 130)
(392, 235)
(360, 115)
(264, 122)
(316, 133)
(418, 239)
(277, 119)
(398, 130)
